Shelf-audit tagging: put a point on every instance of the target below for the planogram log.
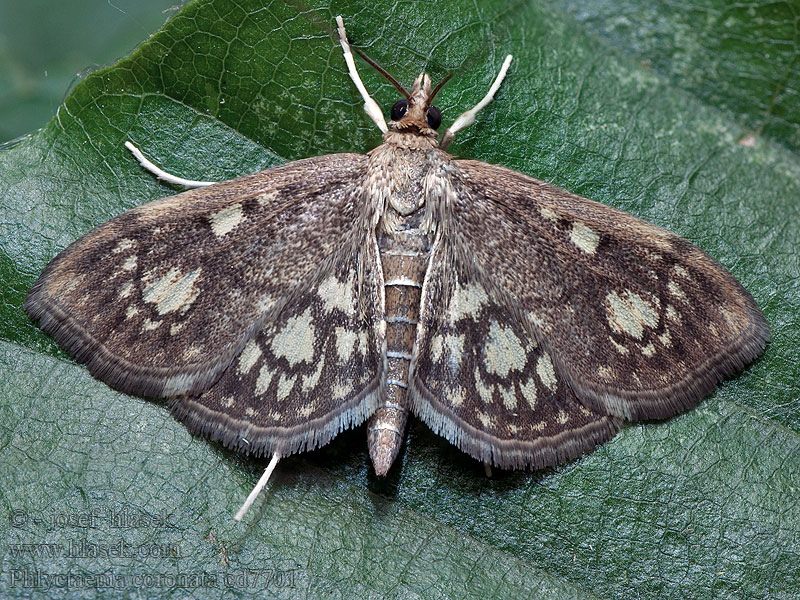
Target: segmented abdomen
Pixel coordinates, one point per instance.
(405, 259)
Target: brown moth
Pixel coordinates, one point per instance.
(520, 321)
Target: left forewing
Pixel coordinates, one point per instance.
(640, 323)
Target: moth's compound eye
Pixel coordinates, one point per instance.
(399, 109)
(434, 117)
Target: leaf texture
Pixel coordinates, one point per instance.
(704, 505)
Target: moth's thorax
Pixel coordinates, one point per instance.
(410, 141)
(399, 173)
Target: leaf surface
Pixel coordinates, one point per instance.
(704, 505)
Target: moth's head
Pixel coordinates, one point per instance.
(415, 113)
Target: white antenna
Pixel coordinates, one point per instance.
(468, 118)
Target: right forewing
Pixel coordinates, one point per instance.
(158, 301)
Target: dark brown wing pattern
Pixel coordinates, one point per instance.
(640, 323)
(158, 301)
(483, 381)
(547, 318)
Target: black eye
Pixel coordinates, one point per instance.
(399, 109)
(434, 117)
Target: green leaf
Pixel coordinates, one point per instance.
(739, 57)
(44, 43)
(704, 505)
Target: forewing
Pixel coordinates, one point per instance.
(159, 300)
(480, 379)
(641, 323)
(306, 375)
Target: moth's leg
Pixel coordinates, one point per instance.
(257, 489)
(468, 118)
(370, 106)
(163, 175)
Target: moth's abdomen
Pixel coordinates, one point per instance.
(404, 256)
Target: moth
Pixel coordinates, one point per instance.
(521, 322)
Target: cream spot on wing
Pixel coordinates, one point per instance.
(503, 351)
(528, 390)
(250, 354)
(644, 309)
(540, 426)
(126, 290)
(630, 313)
(508, 397)
(341, 391)
(649, 350)
(605, 372)
(436, 348)
(130, 264)
(285, 385)
(546, 372)
(548, 214)
(310, 381)
(193, 351)
(131, 312)
(305, 411)
(224, 221)
(665, 338)
(455, 351)
(123, 245)
(148, 325)
(485, 420)
(250, 412)
(265, 303)
(676, 290)
(456, 396)
(620, 348)
(363, 339)
(562, 417)
(680, 271)
(584, 238)
(335, 294)
(267, 197)
(467, 301)
(264, 378)
(483, 391)
(172, 291)
(175, 328)
(227, 401)
(345, 342)
(73, 284)
(672, 314)
(295, 341)
(537, 321)
(732, 319)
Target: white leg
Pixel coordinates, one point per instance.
(468, 118)
(163, 175)
(370, 106)
(257, 489)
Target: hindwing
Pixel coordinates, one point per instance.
(481, 378)
(305, 375)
